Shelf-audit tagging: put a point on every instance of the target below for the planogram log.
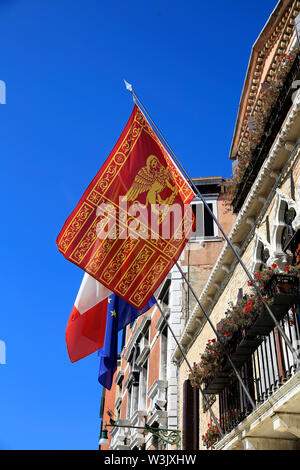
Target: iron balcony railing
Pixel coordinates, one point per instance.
(266, 370)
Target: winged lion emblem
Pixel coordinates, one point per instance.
(153, 178)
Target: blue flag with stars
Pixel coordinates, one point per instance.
(119, 314)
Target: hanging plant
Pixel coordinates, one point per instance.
(233, 327)
(239, 317)
(257, 122)
(263, 277)
(212, 435)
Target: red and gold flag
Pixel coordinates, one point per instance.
(134, 219)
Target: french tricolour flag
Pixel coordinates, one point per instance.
(85, 331)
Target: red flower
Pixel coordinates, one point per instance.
(247, 309)
(250, 304)
(294, 310)
(250, 283)
(274, 265)
(287, 268)
(226, 334)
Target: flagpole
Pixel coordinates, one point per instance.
(190, 367)
(192, 184)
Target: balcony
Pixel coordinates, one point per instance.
(272, 376)
(137, 436)
(284, 290)
(158, 400)
(119, 440)
(272, 128)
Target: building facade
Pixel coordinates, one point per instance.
(266, 235)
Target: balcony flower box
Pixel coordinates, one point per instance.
(243, 330)
(282, 284)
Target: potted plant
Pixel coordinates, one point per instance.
(274, 281)
(211, 436)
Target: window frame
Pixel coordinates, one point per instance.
(210, 199)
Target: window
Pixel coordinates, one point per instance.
(264, 255)
(261, 254)
(128, 414)
(163, 354)
(143, 386)
(164, 292)
(288, 232)
(205, 225)
(134, 396)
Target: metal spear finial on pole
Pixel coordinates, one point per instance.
(129, 87)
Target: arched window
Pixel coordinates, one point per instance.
(264, 255)
(288, 232)
(261, 253)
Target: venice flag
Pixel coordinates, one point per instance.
(134, 219)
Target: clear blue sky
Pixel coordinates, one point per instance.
(63, 62)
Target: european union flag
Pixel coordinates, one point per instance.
(119, 314)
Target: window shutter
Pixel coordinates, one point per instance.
(297, 26)
(190, 418)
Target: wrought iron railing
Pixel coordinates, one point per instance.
(264, 372)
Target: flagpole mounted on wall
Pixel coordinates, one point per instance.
(138, 102)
